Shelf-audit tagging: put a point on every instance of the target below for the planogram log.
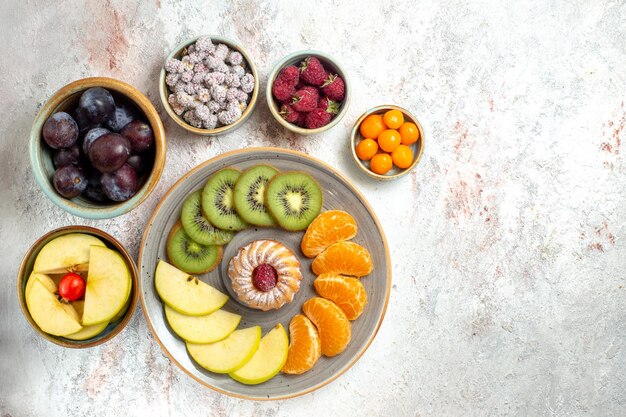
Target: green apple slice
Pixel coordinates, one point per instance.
(229, 354)
(108, 285)
(121, 313)
(267, 361)
(66, 253)
(202, 329)
(51, 315)
(88, 331)
(185, 293)
(47, 281)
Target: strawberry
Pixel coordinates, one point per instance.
(317, 118)
(282, 90)
(334, 87)
(328, 105)
(305, 99)
(289, 114)
(312, 71)
(290, 75)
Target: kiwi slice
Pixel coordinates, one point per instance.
(197, 226)
(217, 200)
(249, 195)
(294, 199)
(190, 256)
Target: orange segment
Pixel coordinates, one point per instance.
(348, 293)
(329, 227)
(332, 324)
(345, 258)
(305, 347)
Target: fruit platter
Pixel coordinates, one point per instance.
(240, 313)
(263, 273)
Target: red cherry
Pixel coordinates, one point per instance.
(72, 287)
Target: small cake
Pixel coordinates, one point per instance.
(265, 274)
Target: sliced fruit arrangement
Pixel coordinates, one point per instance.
(329, 227)
(227, 355)
(346, 258)
(193, 311)
(294, 199)
(348, 293)
(305, 347)
(78, 286)
(198, 227)
(267, 361)
(231, 201)
(331, 322)
(386, 141)
(67, 253)
(249, 195)
(218, 203)
(108, 285)
(261, 196)
(325, 328)
(184, 293)
(202, 329)
(191, 256)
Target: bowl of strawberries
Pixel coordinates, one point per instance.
(308, 92)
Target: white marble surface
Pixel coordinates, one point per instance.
(507, 240)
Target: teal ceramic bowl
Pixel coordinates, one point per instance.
(331, 65)
(66, 99)
(116, 324)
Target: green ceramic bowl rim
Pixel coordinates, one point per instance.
(298, 56)
(163, 89)
(36, 154)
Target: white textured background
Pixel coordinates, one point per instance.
(507, 240)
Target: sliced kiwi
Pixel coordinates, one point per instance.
(249, 195)
(190, 256)
(198, 227)
(217, 200)
(294, 199)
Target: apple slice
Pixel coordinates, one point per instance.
(185, 293)
(267, 361)
(88, 331)
(229, 354)
(121, 313)
(66, 253)
(47, 281)
(108, 285)
(51, 315)
(202, 329)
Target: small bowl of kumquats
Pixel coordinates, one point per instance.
(387, 142)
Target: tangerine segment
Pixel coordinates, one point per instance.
(332, 324)
(329, 227)
(305, 346)
(345, 258)
(348, 293)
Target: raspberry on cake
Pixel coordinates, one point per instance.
(265, 274)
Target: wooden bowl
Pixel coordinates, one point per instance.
(395, 172)
(164, 91)
(66, 99)
(112, 328)
(331, 64)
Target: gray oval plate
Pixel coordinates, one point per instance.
(338, 194)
